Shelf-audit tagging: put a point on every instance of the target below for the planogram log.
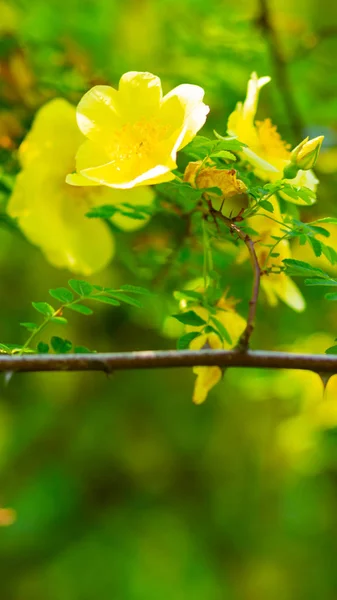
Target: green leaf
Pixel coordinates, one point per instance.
(82, 288)
(300, 268)
(329, 253)
(107, 300)
(135, 289)
(42, 348)
(316, 246)
(225, 154)
(59, 345)
(184, 341)
(222, 330)
(298, 192)
(43, 308)
(30, 326)
(62, 294)
(190, 318)
(80, 308)
(123, 297)
(102, 212)
(321, 282)
(82, 350)
(331, 350)
(59, 320)
(332, 297)
(266, 205)
(332, 220)
(188, 295)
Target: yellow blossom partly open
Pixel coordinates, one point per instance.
(133, 134)
(276, 286)
(50, 212)
(268, 154)
(208, 377)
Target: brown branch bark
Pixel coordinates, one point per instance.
(233, 227)
(152, 359)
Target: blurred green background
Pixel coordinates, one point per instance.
(123, 489)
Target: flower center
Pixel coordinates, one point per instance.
(138, 139)
(271, 140)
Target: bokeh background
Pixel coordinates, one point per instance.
(123, 489)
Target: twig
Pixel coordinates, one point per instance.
(245, 337)
(151, 359)
(264, 22)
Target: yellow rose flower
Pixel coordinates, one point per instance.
(268, 154)
(208, 377)
(134, 133)
(50, 212)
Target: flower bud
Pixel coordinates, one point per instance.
(305, 155)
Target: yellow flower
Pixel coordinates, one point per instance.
(208, 377)
(50, 212)
(276, 286)
(268, 154)
(134, 133)
(200, 176)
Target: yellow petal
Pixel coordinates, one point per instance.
(195, 111)
(255, 83)
(79, 180)
(138, 196)
(98, 113)
(281, 286)
(131, 170)
(207, 378)
(55, 221)
(53, 138)
(140, 94)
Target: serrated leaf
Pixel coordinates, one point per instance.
(107, 300)
(102, 212)
(185, 340)
(30, 326)
(332, 220)
(59, 345)
(321, 282)
(225, 154)
(316, 246)
(82, 288)
(331, 350)
(42, 348)
(266, 205)
(135, 289)
(59, 320)
(302, 269)
(190, 318)
(83, 350)
(187, 295)
(62, 294)
(222, 330)
(123, 297)
(44, 308)
(81, 308)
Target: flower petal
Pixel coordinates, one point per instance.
(283, 287)
(195, 111)
(98, 113)
(54, 136)
(207, 378)
(140, 95)
(56, 222)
